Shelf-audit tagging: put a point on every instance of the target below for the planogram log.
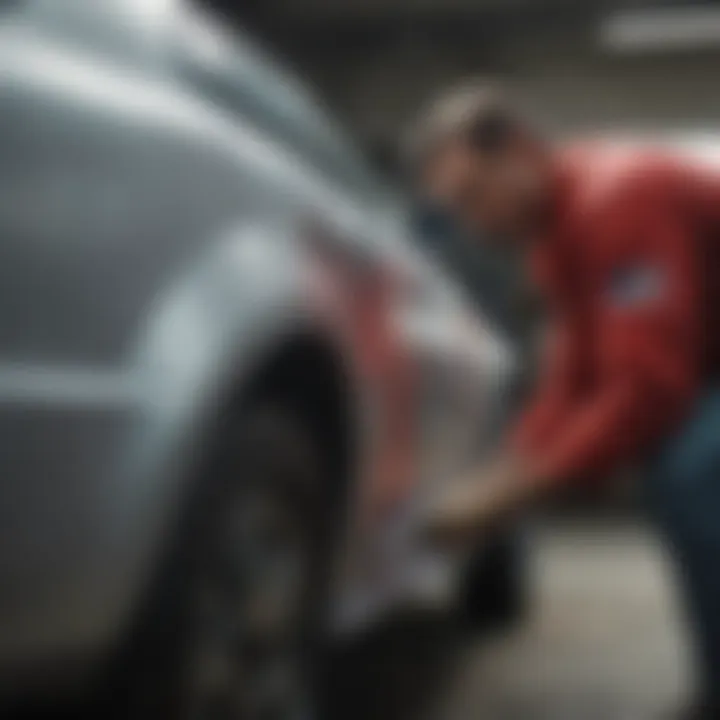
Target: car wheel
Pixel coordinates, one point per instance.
(237, 633)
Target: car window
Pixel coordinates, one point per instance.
(232, 70)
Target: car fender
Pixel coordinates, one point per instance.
(204, 337)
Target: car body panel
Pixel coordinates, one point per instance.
(158, 243)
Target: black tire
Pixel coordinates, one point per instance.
(496, 589)
(241, 603)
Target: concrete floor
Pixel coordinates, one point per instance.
(604, 641)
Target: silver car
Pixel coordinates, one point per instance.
(229, 378)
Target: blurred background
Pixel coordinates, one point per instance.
(597, 64)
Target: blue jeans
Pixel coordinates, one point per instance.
(683, 489)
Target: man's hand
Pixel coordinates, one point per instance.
(485, 497)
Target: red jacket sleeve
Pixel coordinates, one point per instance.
(647, 319)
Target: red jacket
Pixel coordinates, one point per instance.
(628, 269)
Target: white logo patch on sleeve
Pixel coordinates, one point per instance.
(635, 286)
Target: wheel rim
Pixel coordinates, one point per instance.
(246, 661)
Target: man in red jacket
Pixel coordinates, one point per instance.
(621, 243)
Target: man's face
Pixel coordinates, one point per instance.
(497, 194)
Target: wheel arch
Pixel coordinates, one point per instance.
(237, 328)
(302, 371)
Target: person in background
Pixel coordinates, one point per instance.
(622, 245)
